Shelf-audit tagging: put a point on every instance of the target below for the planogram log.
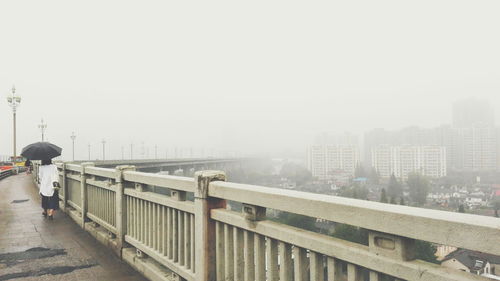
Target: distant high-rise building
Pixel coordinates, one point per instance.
(325, 159)
(400, 161)
(476, 140)
(477, 149)
(415, 136)
(467, 149)
(472, 112)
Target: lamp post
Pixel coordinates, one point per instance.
(131, 151)
(103, 149)
(73, 137)
(14, 102)
(42, 128)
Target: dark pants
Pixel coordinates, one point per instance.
(51, 202)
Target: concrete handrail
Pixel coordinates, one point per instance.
(468, 231)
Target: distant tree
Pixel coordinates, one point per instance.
(425, 251)
(402, 201)
(461, 208)
(374, 176)
(300, 221)
(383, 196)
(296, 173)
(393, 201)
(351, 233)
(419, 187)
(359, 172)
(394, 188)
(355, 191)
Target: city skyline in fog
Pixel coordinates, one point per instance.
(265, 79)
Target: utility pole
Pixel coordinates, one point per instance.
(156, 151)
(103, 149)
(73, 137)
(89, 151)
(123, 153)
(42, 128)
(14, 102)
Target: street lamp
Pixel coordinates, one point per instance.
(14, 102)
(42, 128)
(131, 151)
(73, 137)
(103, 149)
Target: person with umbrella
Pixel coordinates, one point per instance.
(48, 176)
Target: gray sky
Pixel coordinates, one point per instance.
(258, 76)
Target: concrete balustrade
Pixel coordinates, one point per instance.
(169, 237)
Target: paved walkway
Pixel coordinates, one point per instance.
(34, 248)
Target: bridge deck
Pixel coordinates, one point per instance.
(34, 248)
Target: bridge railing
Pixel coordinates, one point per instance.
(5, 173)
(190, 230)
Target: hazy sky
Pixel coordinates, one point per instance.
(255, 76)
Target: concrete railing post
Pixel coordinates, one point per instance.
(121, 205)
(64, 186)
(205, 227)
(83, 190)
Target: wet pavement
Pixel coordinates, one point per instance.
(34, 248)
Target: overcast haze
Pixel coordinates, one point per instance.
(254, 77)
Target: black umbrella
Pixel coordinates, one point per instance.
(41, 151)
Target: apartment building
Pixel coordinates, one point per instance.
(401, 161)
(325, 159)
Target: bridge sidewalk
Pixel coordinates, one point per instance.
(34, 248)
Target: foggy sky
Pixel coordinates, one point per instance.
(255, 77)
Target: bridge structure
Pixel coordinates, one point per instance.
(191, 232)
(184, 167)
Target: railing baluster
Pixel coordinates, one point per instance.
(272, 259)
(219, 251)
(134, 217)
(175, 235)
(333, 269)
(129, 216)
(353, 272)
(180, 234)
(228, 252)
(143, 221)
(317, 268)
(193, 247)
(374, 276)
(300, 265)
(150, 224)
(164, 236)
(170, 233)
(159, 224)
(285, 254)
(155, 228)
(260, 257)
(238, 254)
(248, 253)
(187, 240)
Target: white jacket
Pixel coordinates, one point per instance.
(47, 175)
